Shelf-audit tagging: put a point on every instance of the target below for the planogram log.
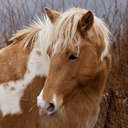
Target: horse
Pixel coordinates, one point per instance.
(80, 62)
(23, 65)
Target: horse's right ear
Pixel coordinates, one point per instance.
(53, 15)
(86, 21)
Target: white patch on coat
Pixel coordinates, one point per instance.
(36, 66)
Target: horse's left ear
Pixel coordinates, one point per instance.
(86, 21)
(53, 15)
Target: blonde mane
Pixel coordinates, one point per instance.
(38, 32)
(65, 31)
(62, 34)
(26, 35)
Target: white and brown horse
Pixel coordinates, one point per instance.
(23, 66)
(76, 64)
(79, 65)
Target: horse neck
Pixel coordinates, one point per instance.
(96, 86)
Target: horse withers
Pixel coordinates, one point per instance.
(79, 65)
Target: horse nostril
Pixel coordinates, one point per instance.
(51, 107)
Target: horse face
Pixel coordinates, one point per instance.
(67, 71)
(71, 68)
(61, 78)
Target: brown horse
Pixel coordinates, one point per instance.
(79, 65)
(23, 66)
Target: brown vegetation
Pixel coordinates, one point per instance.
(114, 106)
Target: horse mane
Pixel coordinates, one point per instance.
(26, 35)
(66, 30)
(102, 32)
(30, 34)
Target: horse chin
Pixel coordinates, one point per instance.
(56, 112)
(46, 113)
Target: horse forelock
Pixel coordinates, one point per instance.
(65, 32)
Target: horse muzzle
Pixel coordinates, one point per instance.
(44, 107)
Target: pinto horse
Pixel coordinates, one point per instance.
(80, 61)
(24, 65)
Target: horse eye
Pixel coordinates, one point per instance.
(73, 57)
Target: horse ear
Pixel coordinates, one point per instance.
(86, 21)
(53, 15)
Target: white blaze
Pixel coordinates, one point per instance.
(40, 101)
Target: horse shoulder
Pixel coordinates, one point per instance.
(13, 63)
